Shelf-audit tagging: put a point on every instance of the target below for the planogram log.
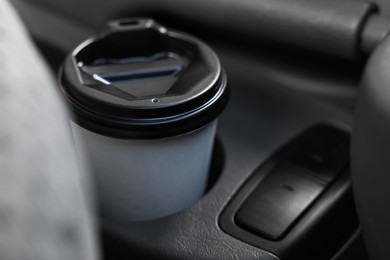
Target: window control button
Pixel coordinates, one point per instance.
(278, 201)
(323, 150)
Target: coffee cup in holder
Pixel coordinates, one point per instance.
(145, 102)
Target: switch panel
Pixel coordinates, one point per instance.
(322, 150)
(287, 185)
(277, 202)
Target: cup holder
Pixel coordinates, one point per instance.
(217, 163)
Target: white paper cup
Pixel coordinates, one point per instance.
(147, 179)
(145, 102)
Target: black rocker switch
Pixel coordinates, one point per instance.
(323, 150)
(278, 201)
(276, 208)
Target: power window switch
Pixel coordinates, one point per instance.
(278, 202)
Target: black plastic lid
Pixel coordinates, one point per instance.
(141, 80)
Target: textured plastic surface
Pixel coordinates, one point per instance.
(310, 212)
(147, 179)
(370, 153)
(324, 151)
(277, 202)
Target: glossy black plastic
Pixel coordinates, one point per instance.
(140, 80)
(312, 216)
(278, 202)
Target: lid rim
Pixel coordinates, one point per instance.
(128, 129)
